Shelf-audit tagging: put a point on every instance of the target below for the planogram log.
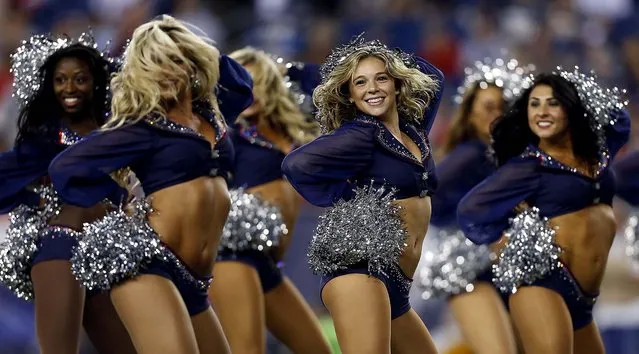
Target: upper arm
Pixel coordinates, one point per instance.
(617, 134)
(627, 174)
(437, 75)
(235, 89)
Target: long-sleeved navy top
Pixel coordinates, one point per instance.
(462, 169)
(539, 180)
(627, 173)
(362, 152)
(159, 151)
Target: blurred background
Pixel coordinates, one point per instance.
(602, 35)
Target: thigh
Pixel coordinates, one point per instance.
(484, 321)
(360, 308)
(410, 335)
(103, 326)
(208, 332)
(236, 293)
(542, 320)
(587, 340)
(59, 305)
(292, 321)
(155, 316)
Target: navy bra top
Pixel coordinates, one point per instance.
(627, 173)
(363, 152)
(541, 181)
(462, 169)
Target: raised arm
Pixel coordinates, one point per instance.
(436, 74)
(235, 89)
(617, 135)
(81, 174)
(484, 212)
(322, 170)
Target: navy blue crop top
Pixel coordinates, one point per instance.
(363, 152)
(257, 160)
(25, 164)
(627, 173)
(539, 180)
(462, 169)
(160, 152)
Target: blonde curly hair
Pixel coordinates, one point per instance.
(416, 90)
(270, 91)
(163, 60)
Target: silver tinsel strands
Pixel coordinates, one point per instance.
(252, 224)
(510, 76)
(452, 265)
(631, 235)
(366, 228)
(21, 244)
(599, 102)
(529, 255)
(116, 247)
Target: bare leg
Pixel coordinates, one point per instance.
(103, 326)
(208, 331)
(360, 309)
(410, 335)
(59, 304)
(155, 316)
(237, 297)
(543, 321)
(588, 340)
(484, 321)
(292, 321)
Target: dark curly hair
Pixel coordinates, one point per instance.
(40, 117)
(511, 134)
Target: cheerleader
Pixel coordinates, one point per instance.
(61, 85)
(250, 292)
(554, 148)
(373, 168)
(166, 127)
(467, 284)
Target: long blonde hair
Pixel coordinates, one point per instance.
(163, 60)
(276, 103)
(416, 89)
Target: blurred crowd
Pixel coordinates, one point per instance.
(602, 35)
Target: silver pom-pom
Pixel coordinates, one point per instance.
(18, 249)
(367, 227)
(252, 224)
(631, 235)
(115, 247)
(21, 243)
(529, 255)
(452, 265)
(509, 75)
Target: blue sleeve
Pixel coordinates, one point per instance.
(617, 135)
(321, 171)
(308, 77)
(461, 170)
(81, 174)
(627, 173)
(484, 212)
(19, 168)
(436, 74)
(235, 89)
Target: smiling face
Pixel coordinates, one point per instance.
(73, 85)
(372, 89)
(546, 116)
(487, 106)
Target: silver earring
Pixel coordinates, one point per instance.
(195, 82)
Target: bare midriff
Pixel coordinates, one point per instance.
(415, 213)
(281, 194)
(189, 218)
(585, 237)
(74, 217)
